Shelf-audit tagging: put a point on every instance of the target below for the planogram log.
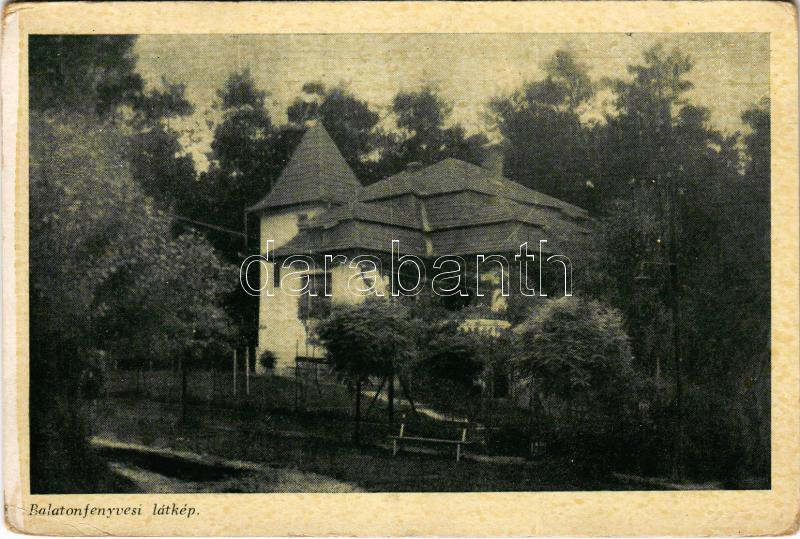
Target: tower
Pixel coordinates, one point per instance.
(315, 179)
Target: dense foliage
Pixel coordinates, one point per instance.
(113, 270)
(113, 281)
(106, 274)
(373, 338)
(572, 347)
(450, 367)
(367, 339)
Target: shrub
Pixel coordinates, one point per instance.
(508, 440)
(454, 357)
(576, 348)
(576, 357)
(267, 359)
(370, 339)
(449, 369)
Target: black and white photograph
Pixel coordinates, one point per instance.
(398, 263)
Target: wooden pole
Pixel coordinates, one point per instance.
(390, 395)
(531, 389)
(183, 391)
(296, 387)
(675, 305)
(234, 372)
(357, 431)
(244, 222)
(264, 386)
(375, 398)
(247, 370)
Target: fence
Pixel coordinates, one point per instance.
(313, 388)
(304, 388)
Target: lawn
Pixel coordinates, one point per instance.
(266, 429)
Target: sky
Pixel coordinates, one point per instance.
(731, 71)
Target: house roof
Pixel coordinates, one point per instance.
(371, 213)
(448, 224)
(316, 172)
(354, 235)
(452, 175)
(449, 208)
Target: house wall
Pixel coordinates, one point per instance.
(279, 328)
(341, 287)
(281, 226)
(283, 332)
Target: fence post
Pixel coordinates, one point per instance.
(247, 370)
(390, 395)
(296, 386)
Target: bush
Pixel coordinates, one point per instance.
(574, 348)
(453, 357)
(576, 357)
(267, 359)
(714, 442)
(370, 339)
(449, 369)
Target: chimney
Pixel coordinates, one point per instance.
(494, 160)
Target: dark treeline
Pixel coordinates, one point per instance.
(655, 173)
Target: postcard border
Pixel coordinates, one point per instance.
(480, 514)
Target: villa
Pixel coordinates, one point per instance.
(452, 208)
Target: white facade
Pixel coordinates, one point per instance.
(281, 329)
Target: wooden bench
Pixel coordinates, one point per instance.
(402, 437)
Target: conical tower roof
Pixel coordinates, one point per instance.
(316, 172)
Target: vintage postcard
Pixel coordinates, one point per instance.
(401, 269)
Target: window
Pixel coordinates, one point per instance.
(315, 307)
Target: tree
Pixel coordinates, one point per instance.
(677, 201)
(113, 280)
(106, 274)
(663, 162)
(162, 104)
(639, 142)
(574, 354)
(242, 169)
(159, 163)
(748, 224)
(677, 163)
(92, 74)
(370, 339)
(757, 174)
(350, 121)
(572, 347)
(164, 170)
(547, 144)
(423, 136)
(97, 75)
